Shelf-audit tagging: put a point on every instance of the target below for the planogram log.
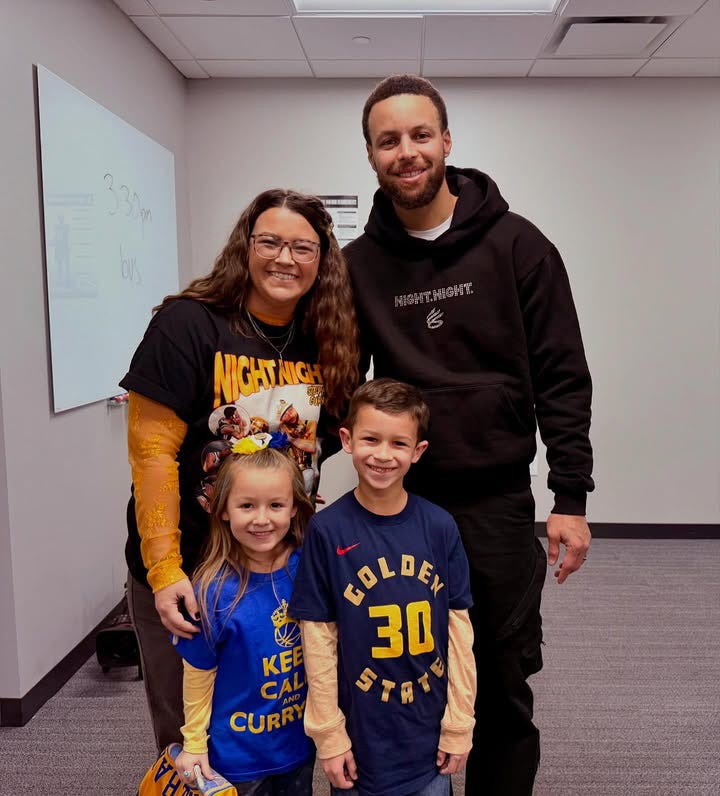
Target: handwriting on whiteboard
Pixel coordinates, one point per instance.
(126, 203)
(129, 268)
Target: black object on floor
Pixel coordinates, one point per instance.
(116, 643)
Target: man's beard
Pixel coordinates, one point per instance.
(411, 201)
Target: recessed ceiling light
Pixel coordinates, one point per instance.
(361, 40)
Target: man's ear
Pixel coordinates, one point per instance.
(371, 160)
(420, 448)
(346, 439)
(447, 143)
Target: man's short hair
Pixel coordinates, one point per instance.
(393, 398)
(403, 84)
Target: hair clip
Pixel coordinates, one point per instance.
(279, 440)
(257, 442)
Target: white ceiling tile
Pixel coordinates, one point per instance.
(325, 38)
(138, 8)
(162, 38)
(608, 39)
(630, 8)
(466, 68)
(373, 68)
(190, 69)
(681, 67)
(486, 36)
(586, 67)
(232, 68)
(237, 38)
(697, 37)
(224, 7)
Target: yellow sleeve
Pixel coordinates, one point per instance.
(155, 434)
(457, 723)
(324, 721)
(198, 687)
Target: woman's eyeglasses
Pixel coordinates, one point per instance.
(269, 248)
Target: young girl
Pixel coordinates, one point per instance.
(244, 678)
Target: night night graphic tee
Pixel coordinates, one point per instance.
(225, 386)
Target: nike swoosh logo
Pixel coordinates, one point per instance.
(342, 550)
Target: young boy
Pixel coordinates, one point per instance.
(382, 593)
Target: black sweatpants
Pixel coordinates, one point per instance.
(507, 572)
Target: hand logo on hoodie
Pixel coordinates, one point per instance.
(434, 319)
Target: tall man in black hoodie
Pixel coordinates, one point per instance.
(472, 304)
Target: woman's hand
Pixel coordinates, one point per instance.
(167, 604)
(185, 764)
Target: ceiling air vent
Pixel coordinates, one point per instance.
(607, 37)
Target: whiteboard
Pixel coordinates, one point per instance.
(110, 239)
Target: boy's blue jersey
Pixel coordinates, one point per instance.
(389, 583)
(256, 726)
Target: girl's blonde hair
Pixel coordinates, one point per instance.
(223, 554)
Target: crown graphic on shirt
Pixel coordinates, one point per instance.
(279, 615)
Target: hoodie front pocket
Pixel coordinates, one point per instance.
(474, 426)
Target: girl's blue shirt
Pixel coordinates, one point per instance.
(256, 726)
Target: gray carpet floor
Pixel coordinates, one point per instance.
(628, 701)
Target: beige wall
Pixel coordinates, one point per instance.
(621, 174)
(65, 481)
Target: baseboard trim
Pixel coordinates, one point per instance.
(647, 530)
(17, 712)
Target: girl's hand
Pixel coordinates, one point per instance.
(167, 605)
(340, 770)
(185, 764)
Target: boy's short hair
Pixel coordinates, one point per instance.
(393, 398)
(403, 84)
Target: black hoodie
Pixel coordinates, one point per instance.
(482, 320)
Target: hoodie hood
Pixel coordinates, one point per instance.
(480, 204)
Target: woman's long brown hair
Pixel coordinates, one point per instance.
(326, 312)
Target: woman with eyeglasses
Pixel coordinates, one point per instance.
(269, 334)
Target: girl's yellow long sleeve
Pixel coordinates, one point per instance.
(198, 687)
